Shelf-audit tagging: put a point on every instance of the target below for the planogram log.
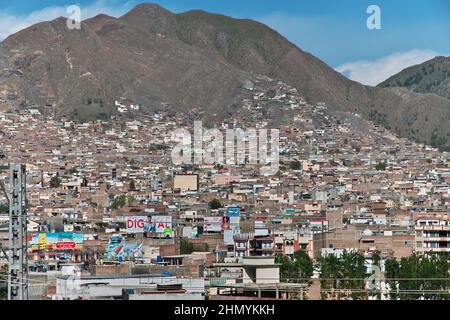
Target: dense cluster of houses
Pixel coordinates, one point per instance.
(107, 206)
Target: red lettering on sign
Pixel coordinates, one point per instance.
(132, 224)
(66, 245)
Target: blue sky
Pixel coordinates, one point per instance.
(333, 30)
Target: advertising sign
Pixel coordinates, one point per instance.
(228, 237)
(234, 211)
(226, 223)
(136, 224)
(57, 241)
(161, 224)
(196, 231)
(187, 232)
(157, 224)
(118, 249)
(235, 220)
(235, 223)
(212, 224)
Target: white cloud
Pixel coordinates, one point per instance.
(375, 72)
(11, 23)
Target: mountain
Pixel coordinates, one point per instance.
(194, 59)
(85, 71)
(432, 76)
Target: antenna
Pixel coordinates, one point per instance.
(18, 237)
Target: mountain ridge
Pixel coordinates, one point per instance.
(191, 59)
(432, 76)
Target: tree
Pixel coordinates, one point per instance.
(299, 268)
(295, 165)
(55, 182)
(303, 265)
(419, 276)
(215, 204)
(132, 185)
(119, 202)
(3, 282)
(353, 273)
(329, 273)
(343, 275)
(381, 166)
(186, 247)
(392, 272)
(4, 208)
(285, 265)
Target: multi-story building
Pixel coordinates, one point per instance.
(248, 244)
(432, 235)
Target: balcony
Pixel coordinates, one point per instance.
(433, 239)
(424, 250)
(432, 228)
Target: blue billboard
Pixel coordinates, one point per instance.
(234, 211)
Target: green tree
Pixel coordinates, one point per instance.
(329, 272)
(285, 267)
(419, 276)
(303, 265)
(132, 185)
(299, 268)
(119, 202)
(3, 282)
(55, 182)
(4, 208)
(353, 273)
(215, 204)
(343, 276)
(295, 165)
(391, 273)
(186, 247)
(381, 166)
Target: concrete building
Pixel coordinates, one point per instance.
(133, 287)
(432, 235)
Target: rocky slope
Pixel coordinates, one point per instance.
(194, 59)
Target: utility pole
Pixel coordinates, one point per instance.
(18, 237)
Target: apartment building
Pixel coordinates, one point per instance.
(432, 235)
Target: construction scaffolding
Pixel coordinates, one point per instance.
(18, 238)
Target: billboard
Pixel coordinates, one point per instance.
(234, 211)
(161, 224)
(196, 231)
(212, 224)
(235, 220)
(136, 224)
(228, 237)
(226, 223)
(157, 224)
(118, 249)
(187, 232)
(186, 182)
(57, 241)
(235, 223)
